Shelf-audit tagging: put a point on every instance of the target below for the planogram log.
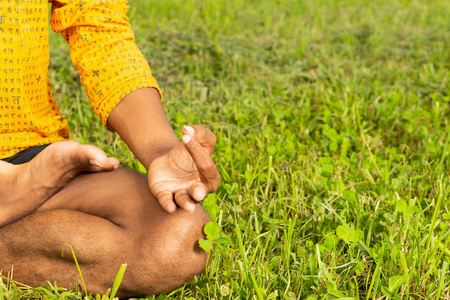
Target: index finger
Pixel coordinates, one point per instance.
(204, 163)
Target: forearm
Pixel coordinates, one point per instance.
(140, 120)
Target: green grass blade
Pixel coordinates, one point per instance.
(79, 269)
(375, 279)
(441, 280)
(118, 280)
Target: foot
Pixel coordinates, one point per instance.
(23, 188)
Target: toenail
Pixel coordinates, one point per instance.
(93, 162)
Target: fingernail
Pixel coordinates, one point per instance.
(116, 167)
(186, 139)
(93, 162)
(199, 195)
(191, 208)
(189, 129)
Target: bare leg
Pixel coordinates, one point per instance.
(109, 219)
(24, 188)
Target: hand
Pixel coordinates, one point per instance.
(187, 172)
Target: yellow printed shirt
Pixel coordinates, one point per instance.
(101, 47)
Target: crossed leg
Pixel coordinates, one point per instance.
(109, 219)
(25, 187)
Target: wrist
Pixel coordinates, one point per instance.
(141, 122)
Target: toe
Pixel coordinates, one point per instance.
(96, 159)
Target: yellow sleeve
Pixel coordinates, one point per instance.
(103, 50)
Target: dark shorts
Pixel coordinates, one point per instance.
(25, 155)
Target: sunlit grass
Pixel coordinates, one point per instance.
(332, 121)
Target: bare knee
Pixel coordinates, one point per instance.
(167, 253)
(161, 249)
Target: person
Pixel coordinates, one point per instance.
(57, 195)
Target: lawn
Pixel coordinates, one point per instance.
(332, 122)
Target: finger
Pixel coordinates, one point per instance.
(203, 135)
(198, 191)
(165, 198)
(204, 163)
(184, 200)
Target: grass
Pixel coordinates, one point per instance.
(332, 120)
